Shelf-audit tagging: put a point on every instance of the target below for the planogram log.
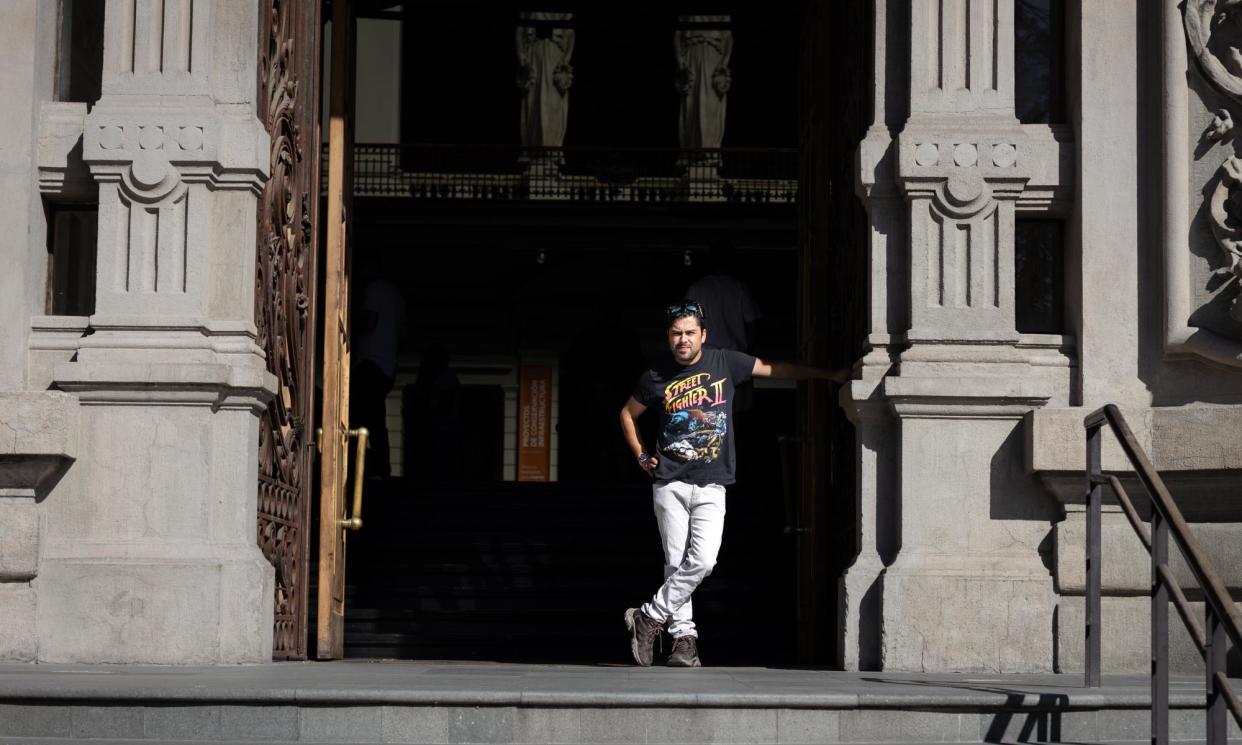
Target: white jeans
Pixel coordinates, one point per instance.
(691, 520)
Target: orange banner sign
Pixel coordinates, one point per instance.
(534, 424)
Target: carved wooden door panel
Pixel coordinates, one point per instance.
(285, 303)
(334, 462)
(833, 316)
(814, 230)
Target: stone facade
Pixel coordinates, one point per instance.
(129, 496)
(970, 435)
(128, 440)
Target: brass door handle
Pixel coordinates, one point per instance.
(360, 459)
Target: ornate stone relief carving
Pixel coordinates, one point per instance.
(962, 187)
(1214, 31)
(962, 178)
(1225, 214)
(1221, 128)
(1195, 83)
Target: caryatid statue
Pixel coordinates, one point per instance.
(545, 76)
(703, 47)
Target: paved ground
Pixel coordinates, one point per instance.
(461, 683)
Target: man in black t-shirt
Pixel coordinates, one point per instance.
(692, 465)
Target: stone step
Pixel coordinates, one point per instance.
(112, 741)
(427, 702)
(461, 723)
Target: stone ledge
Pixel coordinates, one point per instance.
(209, 384)
(501, 684)
(58, 151)
(965, 397)
(38, 423)
(1175, 438)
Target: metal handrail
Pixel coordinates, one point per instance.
(1222, 621)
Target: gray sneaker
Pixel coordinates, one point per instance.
(685, 652)
(643, 633)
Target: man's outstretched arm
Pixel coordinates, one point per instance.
(794, 371)
(632, 410)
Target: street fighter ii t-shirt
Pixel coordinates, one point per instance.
(695, 444)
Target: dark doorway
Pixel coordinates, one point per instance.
(458, 560)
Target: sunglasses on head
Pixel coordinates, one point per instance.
(683, 309)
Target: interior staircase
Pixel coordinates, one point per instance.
(525, 572)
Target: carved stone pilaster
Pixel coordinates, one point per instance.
(961, 57)
(962, 186)
(169, 177)
(951, 534)
(152, 557)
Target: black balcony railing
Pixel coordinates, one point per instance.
(499, 173)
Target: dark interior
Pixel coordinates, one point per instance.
(456, 563)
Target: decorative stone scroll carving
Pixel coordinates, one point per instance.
(1221, 128)
(1214, 30)
(1225, 214)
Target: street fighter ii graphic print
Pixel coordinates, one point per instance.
(695, 422)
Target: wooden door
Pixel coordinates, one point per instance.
(285, 304)
(833, 315)
(334, 460)
(814, 233)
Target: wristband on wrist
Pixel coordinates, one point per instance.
(643, 457)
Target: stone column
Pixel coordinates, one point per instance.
(969, 588)
(1109, 180)
(34, 440)
(154, 558)
(860, 589)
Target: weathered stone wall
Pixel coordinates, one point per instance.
(971, 440)
(128, 448)
(38, 436)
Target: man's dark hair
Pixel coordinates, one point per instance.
(680, 310)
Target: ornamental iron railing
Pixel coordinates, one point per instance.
(1222, 622)
(504, 173)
